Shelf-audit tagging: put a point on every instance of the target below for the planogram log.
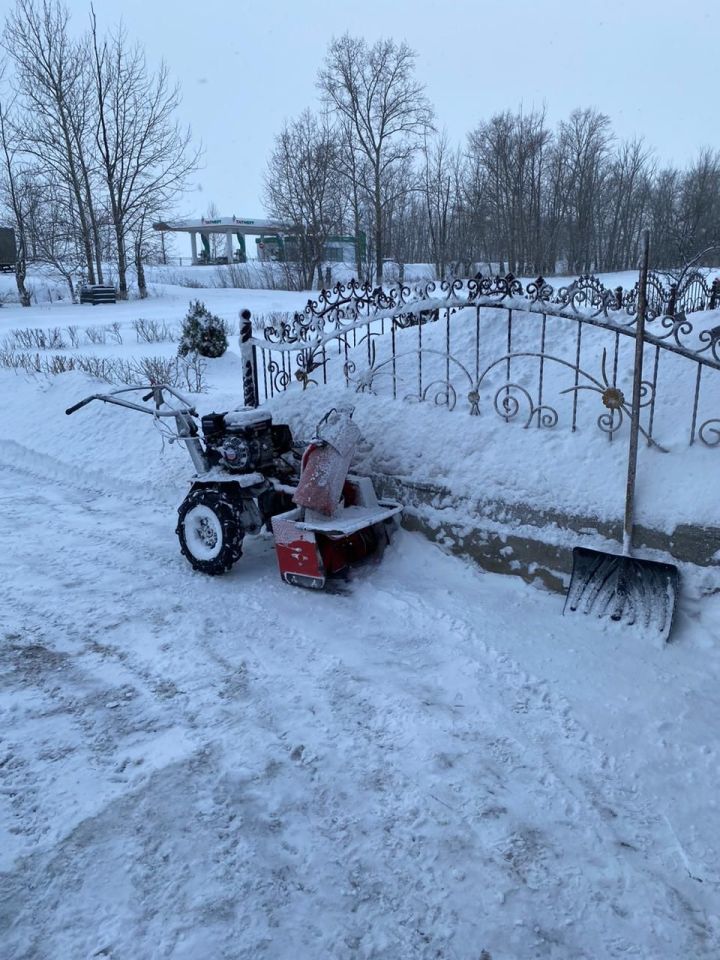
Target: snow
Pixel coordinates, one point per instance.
(326, 466)
(247, 418)
(349, 520)
(428, 762)
(203, 533)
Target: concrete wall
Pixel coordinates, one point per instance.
(533, 544)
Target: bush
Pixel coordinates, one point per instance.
(203, 332)
(152, 331)
(188, 374)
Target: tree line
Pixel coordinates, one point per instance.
(91, 151)
(517, 195)
(90, 146)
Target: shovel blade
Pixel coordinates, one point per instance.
(635, 593)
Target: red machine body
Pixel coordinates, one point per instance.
(311, 547)
(338, 520)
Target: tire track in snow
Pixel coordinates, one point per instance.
(622, 820)
(46, 468)
(94, 508)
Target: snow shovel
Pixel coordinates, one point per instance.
(636, 593)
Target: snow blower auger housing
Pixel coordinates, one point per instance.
(250, 476)
(338, 520)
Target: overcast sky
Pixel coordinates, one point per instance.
(244, 67)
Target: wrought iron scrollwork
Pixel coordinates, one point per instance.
(539, 291)
(348, 304)
(279, 376)
(508, 406)
(694, 293)
(711, 340)
(308, 361)
(501, 287)
(709, 432)
(444, 394)
(587, 295)
(614, 400)
(353, 315)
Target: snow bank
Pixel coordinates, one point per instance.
(548, 467)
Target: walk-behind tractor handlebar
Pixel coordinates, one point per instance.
(156, 394)
(184, 415)
(249, 476)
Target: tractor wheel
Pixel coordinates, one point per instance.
(210, 531)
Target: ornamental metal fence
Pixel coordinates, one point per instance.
(529, 353)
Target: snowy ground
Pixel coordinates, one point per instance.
(431, 762)
(47, 288)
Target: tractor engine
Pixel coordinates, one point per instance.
(244, 441)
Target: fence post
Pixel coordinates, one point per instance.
(672, 302)
(248, 354)
(715, 293)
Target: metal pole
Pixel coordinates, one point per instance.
(637, 387)
(249, 361)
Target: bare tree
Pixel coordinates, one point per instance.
(699, 205)
(144, 154)
(584, 141)
(352, 166)
(509, 153)
(56, 233)
(625, 209)
(301, 188)
(663, 214)
(84, 124)
(14, 184)
(437, 191)
(400, 188)
(477, 228)
(140, 243)
(557, 178)
(51, 73)
(375, 91)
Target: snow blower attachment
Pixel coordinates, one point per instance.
(338, 520)
(635, 592)
(249, 476)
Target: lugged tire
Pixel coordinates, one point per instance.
(210, 531)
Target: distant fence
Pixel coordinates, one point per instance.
(438, 339)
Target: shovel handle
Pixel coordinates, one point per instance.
(636, 394)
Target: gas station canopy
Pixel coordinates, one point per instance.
(277, 240)
(240, 226)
